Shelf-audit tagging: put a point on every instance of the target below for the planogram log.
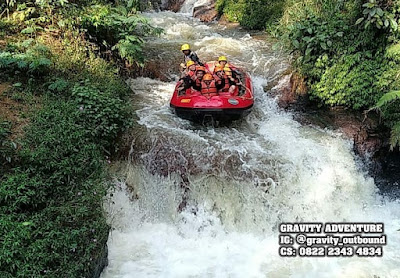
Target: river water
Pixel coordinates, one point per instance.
(200, 201)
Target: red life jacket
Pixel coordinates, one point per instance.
(209, 90)
(217, 79)
(198, 82)
(191, 74)
(227, 84)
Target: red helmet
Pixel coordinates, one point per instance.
(200, 68)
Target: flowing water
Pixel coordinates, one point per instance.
(206, 202)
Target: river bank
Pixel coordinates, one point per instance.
(62, 111)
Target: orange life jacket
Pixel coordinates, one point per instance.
(226, 66)
(209, 90)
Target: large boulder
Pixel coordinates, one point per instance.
(291, 91)
(206, 12)
(172, 5)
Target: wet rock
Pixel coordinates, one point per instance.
(150, 5)
(101, 263)
(364, 129)
(388, 179)
(206, 12)
(291, 92)
(172, 5)
(152, 69)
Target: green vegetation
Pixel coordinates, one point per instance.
(25, 60)
(118, 29)
(388, 105)
(52, 176)
(7, 147)
(252, 14)
(347, 51)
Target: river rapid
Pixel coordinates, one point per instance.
(197, 201)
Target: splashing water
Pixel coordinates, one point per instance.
(237, 183)
(189, 5)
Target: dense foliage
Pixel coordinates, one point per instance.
(113, 25)
(52, 176)
(7, 146)
(346, 50)
(118, 29)
(253, 14)
(22, 59)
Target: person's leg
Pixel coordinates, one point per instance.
(232, 89)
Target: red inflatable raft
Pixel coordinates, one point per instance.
(194, 106)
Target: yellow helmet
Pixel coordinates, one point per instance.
(185, 47)
(222, 58)
(190, 63)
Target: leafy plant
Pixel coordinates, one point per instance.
(387, 105)
(101, 114)
(395, 136)
(52, 201)
(59, 85)
(381, 14)
(253, 14)
(350, 82)
(233, 10)
(387, 99)
(7, 7)
(119, 29)
(258, 14)
(51, 194)
(31, 60)
(313, 36)
(7, 147)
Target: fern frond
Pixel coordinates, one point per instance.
(387, 98)
(395, 136)
(132, 52)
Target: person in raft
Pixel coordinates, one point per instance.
(198, 79)
(209, 86)
(192, 81)
(188, 76)
(189, 55)
(223, 62)
(219, 76)
(230, 81)
(190, 70)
